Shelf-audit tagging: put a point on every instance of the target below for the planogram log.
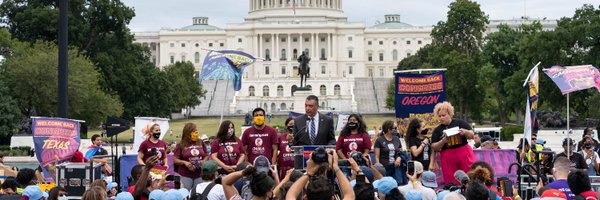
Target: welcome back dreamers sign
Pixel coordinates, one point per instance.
(416, 96)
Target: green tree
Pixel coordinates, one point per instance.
(187, 89)
(98, 28)
(31, 74)
(10, 114)
(457, 46)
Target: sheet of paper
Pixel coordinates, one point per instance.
(451, 131)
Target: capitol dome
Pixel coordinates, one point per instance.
(391, 22)
(296, 10)
(200, 23)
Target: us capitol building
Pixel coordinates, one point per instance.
(350, 69)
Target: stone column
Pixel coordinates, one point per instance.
(276, 40)
(259, 46)
(274, 56)
(301, 41)
(318, 39)
(289, 41)
(330, 45)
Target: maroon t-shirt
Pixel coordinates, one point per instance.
(260, 142)
(353, 142)
(233, 146)
(194, 153)
(146, 149)
(286, 156)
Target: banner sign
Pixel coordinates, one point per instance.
(532, 88)
(55, 139)
(416, 96)
(140, 126)
(499, 159)
(226, 64)
(341, 122)
(575, 78)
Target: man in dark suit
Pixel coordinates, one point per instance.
(313, 128)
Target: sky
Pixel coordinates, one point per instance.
(152, 15)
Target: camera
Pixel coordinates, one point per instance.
(358, 157)
(319, 155)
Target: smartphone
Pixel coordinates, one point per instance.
(170, 177)
(154, 151)
(360, 178)
(411, 167)
(505, 187)
(177, 182)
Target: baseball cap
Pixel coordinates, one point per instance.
(124, 196)
(184, 192)
(209, 167)
(568, 140)
(414, 195)
(553, 194)
(34, 192)
(385, 185)
(429, 179)
(172, 194)
(368, 173)
(155, 195)
(418, 167)
(485, 138)
(110, 186)
(442, 194)
(379, 167)
(262, 164)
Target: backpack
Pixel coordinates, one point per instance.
(204, 195)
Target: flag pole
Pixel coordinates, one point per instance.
(223, 108)
(568, 130)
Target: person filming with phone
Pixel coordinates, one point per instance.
(415, 187)
(450, 139)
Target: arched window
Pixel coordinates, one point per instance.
(267, 55)
(283, 106)
(336, 90)
(283, 55)
(273, 107)
(294, 87)
(395, 55)
(265, 91)
(280, 90)
(295, 54)
(197, 57)
(251, 91)
(323, 90)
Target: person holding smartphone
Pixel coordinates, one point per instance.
(153, 146)
(190, 154)
(455, 152)
(415, 176)
(418, 144)
(387, 150)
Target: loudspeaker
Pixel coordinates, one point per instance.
(115, 125)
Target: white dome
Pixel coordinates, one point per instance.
(288, 10)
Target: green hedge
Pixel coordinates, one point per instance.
(507, 133)
(16, 151)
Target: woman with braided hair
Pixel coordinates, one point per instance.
(261, 184)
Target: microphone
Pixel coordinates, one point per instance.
(461, 177)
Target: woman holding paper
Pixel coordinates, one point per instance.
(450, 138)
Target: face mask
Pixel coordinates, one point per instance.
(230, 133)
(156, 135)
(208, 148)
(259, 120)
(194, 136)
(352, 125)
(572, 149)
(588, 146)
(290, 128)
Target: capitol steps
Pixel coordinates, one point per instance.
(370, 94)
(215, 98)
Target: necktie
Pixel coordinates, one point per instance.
(313, 132)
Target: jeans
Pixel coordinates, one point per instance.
(398, 173)
(190, 183)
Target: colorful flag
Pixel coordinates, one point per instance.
(143, 123)
(532, 86)
(574, 78)
(226, 64)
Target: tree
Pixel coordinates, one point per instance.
(10, 114)
(187, 89)
(457, 46)
(31, 75)
(98, 28)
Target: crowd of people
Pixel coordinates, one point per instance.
(260, 164)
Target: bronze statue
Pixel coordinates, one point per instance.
(303, 69)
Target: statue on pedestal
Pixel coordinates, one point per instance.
(303, 69)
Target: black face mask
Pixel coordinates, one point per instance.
(156, 135)
(588, 146)
(352, 125)
(290, 128)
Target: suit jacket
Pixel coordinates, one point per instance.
(325, 134)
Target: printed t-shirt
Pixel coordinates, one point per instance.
(286, 157)
(353, 142)
(454, 141)
(563, 186)
(146, 149)
(194, 153)
(228, 151)
(259, 142)
(388, 149)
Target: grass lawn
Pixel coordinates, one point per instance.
(210, 126)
